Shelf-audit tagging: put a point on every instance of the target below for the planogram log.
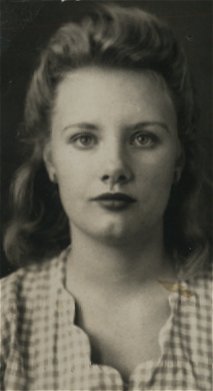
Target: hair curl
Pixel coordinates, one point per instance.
(109, 36)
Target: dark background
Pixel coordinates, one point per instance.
(26, 25)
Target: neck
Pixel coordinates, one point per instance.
(108, 267)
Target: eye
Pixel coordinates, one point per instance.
(142, 139)
(83, 140)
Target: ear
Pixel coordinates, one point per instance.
(179, 165)
(48, 161)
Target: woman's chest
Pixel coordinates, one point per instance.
(125, 337)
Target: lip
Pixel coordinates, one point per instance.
(120, 197)
(114, 202)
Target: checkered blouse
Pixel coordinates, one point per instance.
(42, 348)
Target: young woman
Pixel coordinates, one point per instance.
(112, 180)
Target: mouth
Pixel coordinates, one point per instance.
(114, 201)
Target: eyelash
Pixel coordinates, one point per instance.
(76, 139)
(151, 138)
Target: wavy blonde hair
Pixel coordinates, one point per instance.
(117, 37)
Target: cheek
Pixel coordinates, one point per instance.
(70, 191)
(164, 173)
(73, 181)
(69, 182)
(157, 169)
(75, 172)
(154, 183)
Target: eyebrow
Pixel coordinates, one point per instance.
(138, 125)
(81, 125)
(145, 124)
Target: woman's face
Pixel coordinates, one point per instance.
(114, 149)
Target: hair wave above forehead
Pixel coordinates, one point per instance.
(109, 36)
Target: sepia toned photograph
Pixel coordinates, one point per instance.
(106, 189)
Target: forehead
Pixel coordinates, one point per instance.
(94, 91)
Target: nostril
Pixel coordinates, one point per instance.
(105, 177)
(122, 178)
(114, 178)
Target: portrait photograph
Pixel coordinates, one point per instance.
(106, 195)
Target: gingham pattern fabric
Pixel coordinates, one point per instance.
(42, 348)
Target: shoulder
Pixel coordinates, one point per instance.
(27, 284)
(26, 297)
(196, 311)
(201, 285)
(197, 326)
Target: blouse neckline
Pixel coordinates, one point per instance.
(164, 334)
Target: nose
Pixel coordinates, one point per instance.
(116, 169)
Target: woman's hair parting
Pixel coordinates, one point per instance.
(116, 37)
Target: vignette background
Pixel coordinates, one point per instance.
(26, 26)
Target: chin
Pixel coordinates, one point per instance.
(114, 240)
(113, 234)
